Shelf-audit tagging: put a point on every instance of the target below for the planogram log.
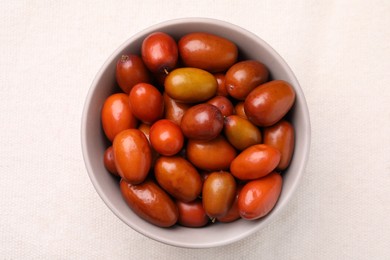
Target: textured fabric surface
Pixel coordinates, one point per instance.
(50, 52)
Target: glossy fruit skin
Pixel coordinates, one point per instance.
(178, 177)
(223, 104)
(240, 132)
(258, 197)
(190, 85)
(244, 76)
(213, 155)
(239, 110)
(109, 161)
(218, 193)
(131, 70)
(255, 162)
(174, 111)
(133, 156)
(221, 91)
(159, 52)
(150, 203)
(269, 102)
(146, 103)
(117, 115)
(166, 137)
(233, 212)
(281, 136)
(207, 51)
(202, 122)
(192, 214)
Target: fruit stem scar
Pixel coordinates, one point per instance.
(124, 58)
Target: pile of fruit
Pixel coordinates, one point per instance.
(198, 135)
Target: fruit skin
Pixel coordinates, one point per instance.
(269, 102)
(221, 91)
(192, 214)
(133, 156)
(239, 110)
(255, 162)
(117, 115)
(190, 85)
(213, 155)
(166, 137)
(223, 104)
(244, 76)
(145, 128)
(218, 193)
(281, 136)
(150, 202)
(202, 122)
(207, 51)
(240, 132)
(109, 161)
(131, 70)
(159, 52)
(258, 197)
(146, 103)
(174, 111)
(178, 177)
(233, 212)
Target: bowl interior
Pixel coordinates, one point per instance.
(94, 143)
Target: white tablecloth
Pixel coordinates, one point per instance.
(50, 52)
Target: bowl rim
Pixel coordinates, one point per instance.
(305, 115)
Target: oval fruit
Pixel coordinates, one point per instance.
(174, 111)
(190, 85)
(202, 122)
(281, 136)
(130, 70)
(159, 52)
(213, 155)
(255, 162)
(258, 197)
(241, 133)
(150, 203)
(218, 194)
(117, 115)
(166, 137)
(207, 51)
(146, 103)
(244, 76)
(192, 214)
(223, 104)
(109, 161)
(269, 102)
(133, 156)
(178, 177)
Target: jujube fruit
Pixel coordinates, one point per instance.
(269, 102)
(150, 202)
(207, 51)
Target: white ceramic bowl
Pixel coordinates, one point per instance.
(94, 143)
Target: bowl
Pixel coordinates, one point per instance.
(94, 143)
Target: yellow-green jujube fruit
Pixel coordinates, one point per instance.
(190, 85)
